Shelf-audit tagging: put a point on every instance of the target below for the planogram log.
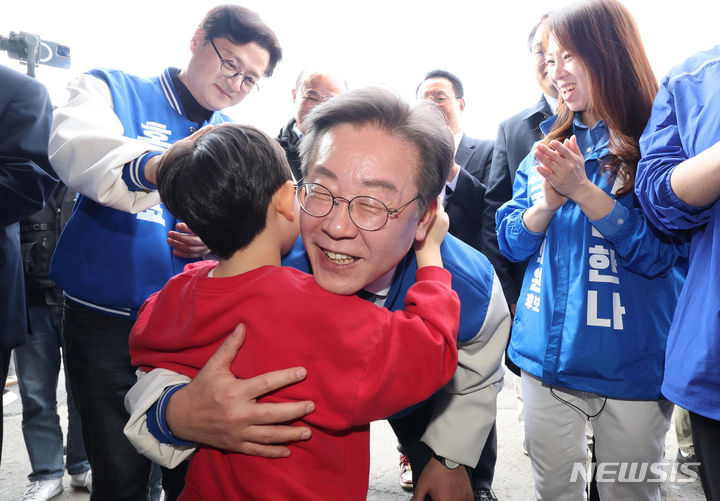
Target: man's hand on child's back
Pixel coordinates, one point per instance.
(220, 410)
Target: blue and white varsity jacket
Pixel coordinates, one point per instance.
(598, 297)
(113, 252)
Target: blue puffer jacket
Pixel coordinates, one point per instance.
(597, 298)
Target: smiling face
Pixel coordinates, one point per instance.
(213, 90)
(538, 55)
(355, 161)
(569, 75)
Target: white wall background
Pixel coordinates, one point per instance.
(369, 42)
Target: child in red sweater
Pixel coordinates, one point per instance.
(233, 187)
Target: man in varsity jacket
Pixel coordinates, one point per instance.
(121, 245)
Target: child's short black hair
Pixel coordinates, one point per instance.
(221, 184)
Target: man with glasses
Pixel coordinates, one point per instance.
(464, 203)
(121, 245)
(465, 187)
(311, 88)
(372, 171)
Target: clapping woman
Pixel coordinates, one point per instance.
(601, 285)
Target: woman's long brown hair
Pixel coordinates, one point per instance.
(604, 36)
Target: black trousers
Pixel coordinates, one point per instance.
(98, 365)
(706, 439)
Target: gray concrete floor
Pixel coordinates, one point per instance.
(513, 477)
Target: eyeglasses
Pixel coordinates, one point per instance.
(367, 213)
(231, 69)
(316, 96)
(438, 97)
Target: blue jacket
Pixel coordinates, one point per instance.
(112, 260)
(685, 121)
(472, 279)
(597, 298)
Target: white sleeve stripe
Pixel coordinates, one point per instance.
(135, 167)
(132, 171)
(125, 312)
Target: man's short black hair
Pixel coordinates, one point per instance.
(221, 184)
(453, 79)
(242, 26)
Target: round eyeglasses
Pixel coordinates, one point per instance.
(231, 69)
(367, 213)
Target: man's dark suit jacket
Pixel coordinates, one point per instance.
(515, 139)
(26, 182)
(464, 205)
(290, 143)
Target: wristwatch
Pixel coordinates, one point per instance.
(447, 463)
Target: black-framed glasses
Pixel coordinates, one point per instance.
(367, 213)
(231, 69)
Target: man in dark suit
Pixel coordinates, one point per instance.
(464, 202)
(26, 182)
(465, 189)
(515, 139)
(311, 88)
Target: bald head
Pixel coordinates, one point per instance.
(313, 88)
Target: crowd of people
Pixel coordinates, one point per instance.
(232, 310)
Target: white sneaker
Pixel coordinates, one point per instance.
(406, 480)
(8, 397)
(43, 490)
(82, 480)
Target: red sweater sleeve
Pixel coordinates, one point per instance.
(415, 352)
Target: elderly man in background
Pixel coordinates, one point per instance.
(312, 87)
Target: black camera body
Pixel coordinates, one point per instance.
(30, 49)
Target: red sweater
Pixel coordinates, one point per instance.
(364, 363)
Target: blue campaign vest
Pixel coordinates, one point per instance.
(111, 260)
(472, 280)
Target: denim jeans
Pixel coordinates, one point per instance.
(98, 364)
(37, 364)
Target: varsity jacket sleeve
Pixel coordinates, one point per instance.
(515, 240)
(465, 410)
(90, 153)
(662, 150)
(144, 394)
